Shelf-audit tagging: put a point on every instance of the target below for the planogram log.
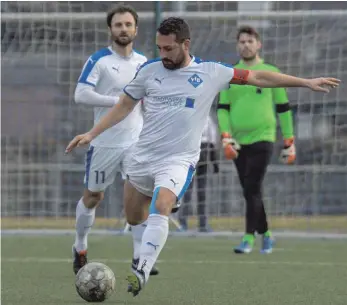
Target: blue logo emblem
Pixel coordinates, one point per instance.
(190, 102)
(195, 80)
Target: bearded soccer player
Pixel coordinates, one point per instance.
(178, 90)
(100, 85)
(247, 121)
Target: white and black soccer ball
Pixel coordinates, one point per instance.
(95, 282)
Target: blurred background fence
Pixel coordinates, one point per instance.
(43, 48)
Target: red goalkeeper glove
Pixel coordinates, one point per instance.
(288, 153)
(230, 146)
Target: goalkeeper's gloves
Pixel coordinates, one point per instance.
(288, 153)
(230, 146)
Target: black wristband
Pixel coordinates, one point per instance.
(223, 106)
(280, 108)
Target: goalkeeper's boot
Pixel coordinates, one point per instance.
(267, 244)
(246, 245)
(79, 259)
(135, 263)
(136, 282)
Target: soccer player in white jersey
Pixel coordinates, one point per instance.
(178, 90)
(102, 80)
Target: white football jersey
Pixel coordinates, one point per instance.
(109, 72)
(177, 104)
(210, 131)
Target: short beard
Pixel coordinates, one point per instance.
(174, 65)
(123, 43)
(250, 58)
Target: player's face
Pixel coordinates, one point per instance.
(248, 46)
(123, 29)
(172, 53)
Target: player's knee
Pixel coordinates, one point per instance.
(253, 195)
(135, 205)
(133, 221)
(252, 188)
(136, 215)
(163, 202)
(92, 199)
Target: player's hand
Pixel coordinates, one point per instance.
(288, 153)
(230, 146)
(323, 84)
(78, 141)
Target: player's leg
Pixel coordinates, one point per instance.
(201, 178)
(136, 204)
(85, 216)
(259, 172)
(169, 187)
(241, 164)
(259, 158)
(136, 210)
(137, 198)
(100, 173)
(184, 211)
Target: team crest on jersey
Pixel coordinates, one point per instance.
(195, 80)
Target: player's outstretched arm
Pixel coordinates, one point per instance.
(117, 113)
(268, 79)
(86, 94)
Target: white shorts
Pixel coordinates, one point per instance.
(146, 177)
(102, 166)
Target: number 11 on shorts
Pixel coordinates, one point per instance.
(97, 174)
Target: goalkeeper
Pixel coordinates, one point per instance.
(247, 122)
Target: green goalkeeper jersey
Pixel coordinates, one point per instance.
(248, 113)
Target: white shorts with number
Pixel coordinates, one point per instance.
(146, 177)
(102, 166)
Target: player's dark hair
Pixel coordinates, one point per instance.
(177, 26)
(121, 9)
(248, 30)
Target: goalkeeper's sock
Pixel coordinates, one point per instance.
(84, 221)
(137, 232)
(153, 241)
(268, 234)
(249, 238)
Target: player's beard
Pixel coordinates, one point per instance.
(123, 40)
(171, 65)
(250, 56)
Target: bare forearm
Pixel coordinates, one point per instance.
(117, 113)
(267, 79)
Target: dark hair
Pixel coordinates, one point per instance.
(121, 9)
(177, 26)
(248, 30)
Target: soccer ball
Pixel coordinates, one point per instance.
(95, 282)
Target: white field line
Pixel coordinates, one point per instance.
(51, 260)
(280, 234)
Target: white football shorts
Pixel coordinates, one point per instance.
(102, 165)
(146, 177)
